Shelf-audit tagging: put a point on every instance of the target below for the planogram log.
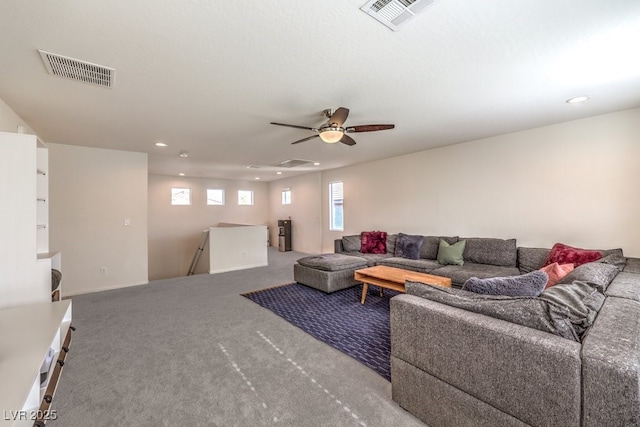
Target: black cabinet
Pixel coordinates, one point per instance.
(284, 235)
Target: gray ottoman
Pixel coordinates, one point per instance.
(328, 272)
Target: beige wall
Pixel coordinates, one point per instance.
(92, 191)
(575, 182)
(174, 231)
(305, 211)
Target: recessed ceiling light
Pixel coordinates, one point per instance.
(316, 164)
(160, 144)
(257, 177)
(278, 173)
(577, 99)
(184, 154)
(181, 174)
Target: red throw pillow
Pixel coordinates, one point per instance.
(556, 272)
(564, 254)
(373, 242)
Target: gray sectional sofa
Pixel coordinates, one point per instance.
(569, 357)
(484, 257)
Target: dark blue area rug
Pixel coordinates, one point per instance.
(338, 319)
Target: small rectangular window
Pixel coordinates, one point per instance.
(286, 196)
(180, 196)
(245, 197)
(215, 196)
(336, 206)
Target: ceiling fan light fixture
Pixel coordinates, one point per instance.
(331, 135)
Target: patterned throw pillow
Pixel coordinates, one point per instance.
(556, 272)
(564, 254)
(373, 242)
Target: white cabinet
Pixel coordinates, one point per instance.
(24, 221)
(29, 334)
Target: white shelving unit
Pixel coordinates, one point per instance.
(27, 333)
(24, 221)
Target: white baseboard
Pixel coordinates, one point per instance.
(93, 290)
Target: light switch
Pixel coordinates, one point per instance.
(127, 221)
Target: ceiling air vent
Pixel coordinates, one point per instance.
(74, 69)
(393, 13)
(292, 163)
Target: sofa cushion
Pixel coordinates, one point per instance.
(333, 262)
(372, 259)
(408, 246)
(525, 285)
(391, 244)
(556, 272)
(597, 274)
(451, 254)
(373, 242)
(420, 265)
(616, 259)
(351, 243)
(564, 254)
(633, 266)
(491, 251)
(461, 273)
(533, 312)
(625, 285)
(581, 299)
(530, 259)
(431, 244)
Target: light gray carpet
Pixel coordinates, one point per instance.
(191, 351)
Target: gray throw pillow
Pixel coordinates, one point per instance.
(408, 246)
(351, 243)
(451, 254)
(526, 285)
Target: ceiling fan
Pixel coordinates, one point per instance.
(333, 131)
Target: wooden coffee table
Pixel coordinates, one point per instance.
(394, 278)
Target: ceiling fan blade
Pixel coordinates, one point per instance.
(346, 139)
(292, 126)
(305, 139)
(339, 116)
(368, 128)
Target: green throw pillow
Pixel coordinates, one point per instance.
(451, 254)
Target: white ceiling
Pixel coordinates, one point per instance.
(208, 76)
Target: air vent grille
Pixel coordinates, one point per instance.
(75, 69)
(393, 13)
(292, 163)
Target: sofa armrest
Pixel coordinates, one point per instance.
(531, 375)
(337, 246)
(611, 365)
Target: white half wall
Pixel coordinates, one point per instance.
(305, 211)
(575, 182)
(92, 192)
(175, 231)
(237, 247)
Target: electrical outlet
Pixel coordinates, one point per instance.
(103, 271)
